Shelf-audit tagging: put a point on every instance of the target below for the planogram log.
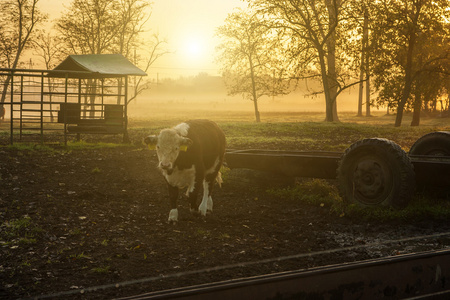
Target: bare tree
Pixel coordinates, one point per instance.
(89, 26)
(364, 65)
(313, 27)
(251, 58)
(132, 16)
(157, 49)
(19, 19)
(49, 49)
(110, 26)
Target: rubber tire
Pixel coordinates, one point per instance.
(376, 172)
(434, 143)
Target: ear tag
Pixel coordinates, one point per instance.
(151, 147)
(183, 148)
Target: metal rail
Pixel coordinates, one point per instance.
(432, 170)
(318, 164)
(411, 276)
(429, 170)
(193, 273)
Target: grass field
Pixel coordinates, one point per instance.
(288, 129)
(297, 130)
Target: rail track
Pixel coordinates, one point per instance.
(414, 275)
(411, 276)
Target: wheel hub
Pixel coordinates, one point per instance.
(369, 181)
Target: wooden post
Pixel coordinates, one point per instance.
(126, 138)
(42, 107)
(21, 106)
(12, 107)
(65, 110)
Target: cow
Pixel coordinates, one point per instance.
(190, 156)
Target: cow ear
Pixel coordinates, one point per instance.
(185, 143)
(151, 141)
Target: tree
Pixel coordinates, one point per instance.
(426, 86)
(157, 49)
(317, 38)
(364, 57)
(49, 49)
(401, 28)
(429, 81)
(252, 58)
(110, 26)
(132, 18)
(18, 22)
(89, 26)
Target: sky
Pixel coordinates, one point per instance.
(188, 26)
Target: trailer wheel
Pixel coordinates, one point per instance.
(434, 143)
(376, 172)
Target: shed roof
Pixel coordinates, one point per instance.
(98, 66)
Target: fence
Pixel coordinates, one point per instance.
(48, 106)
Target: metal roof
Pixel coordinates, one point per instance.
(98, 66)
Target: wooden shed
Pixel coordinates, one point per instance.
(84, 94)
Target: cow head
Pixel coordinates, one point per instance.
(168, 145)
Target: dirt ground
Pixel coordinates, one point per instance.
(92, 224)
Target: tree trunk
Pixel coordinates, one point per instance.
(331, 61)
(21, 42)
(326, 89)
(417, 108)
(405, 94)
(408, 67)
(5, 88)
(399, 116)
(364, 62)
(360, 92)
(257, 115)
(366, 59)
(335, 114)
(368, 95)
(8, 78)
(254, 96)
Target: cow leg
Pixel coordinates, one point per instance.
(207, 202)
(209, 207)
(193, 195)
(208, 185)
(204, 204)
(173, 197)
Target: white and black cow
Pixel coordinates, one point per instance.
(190, 156)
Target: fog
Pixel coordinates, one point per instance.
(205, 96)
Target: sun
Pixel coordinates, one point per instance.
(193, 48)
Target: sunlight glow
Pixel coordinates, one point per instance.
(193, 48)
(189, 28)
